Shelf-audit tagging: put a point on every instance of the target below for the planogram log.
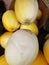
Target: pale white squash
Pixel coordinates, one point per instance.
(22, 48)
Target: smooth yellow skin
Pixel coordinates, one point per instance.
(3, 60)
(46, 50)
(32, 27)
(40, 60)
(39, 15)
(9, 21)
(26, 10)
(4, 38)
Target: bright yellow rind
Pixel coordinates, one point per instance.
(9, 21)
(32, 27)
(3, 60)
(46, 50)
(4, 38)
(40, 60)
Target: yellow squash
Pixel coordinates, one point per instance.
(4, 38)
(26, 10)
(9, 21)
(3, 60)
(46, 50)
(40, 60)
(32, 27)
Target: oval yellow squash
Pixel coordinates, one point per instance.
(26, 10)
